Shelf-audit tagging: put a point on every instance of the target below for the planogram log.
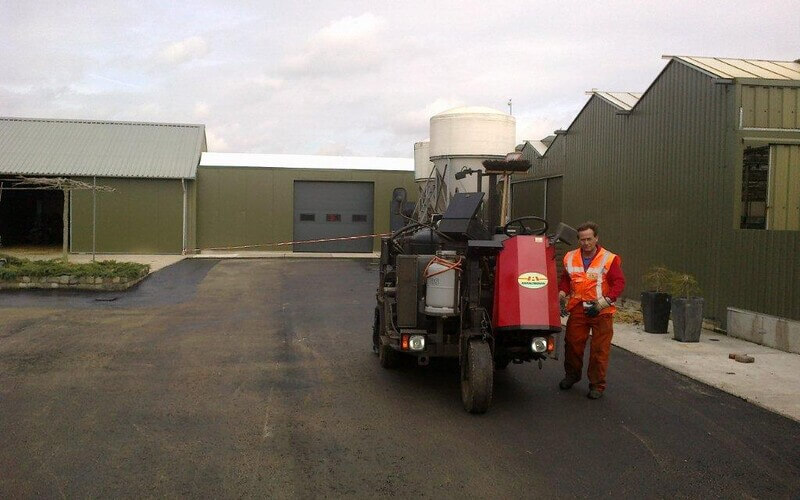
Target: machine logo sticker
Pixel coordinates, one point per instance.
(532, 280)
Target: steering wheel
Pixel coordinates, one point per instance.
(523, 228)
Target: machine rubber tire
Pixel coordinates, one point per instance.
(476, 389)
(389, 357)
(376, 332)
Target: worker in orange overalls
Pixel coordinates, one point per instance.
(590, 284)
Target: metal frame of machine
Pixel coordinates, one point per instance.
(453, 288)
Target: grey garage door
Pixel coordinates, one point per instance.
(333, 210)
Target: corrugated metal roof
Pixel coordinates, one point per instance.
(539, 146)
(32, 146)
(743, 68)
(305, 161)
(622, 100)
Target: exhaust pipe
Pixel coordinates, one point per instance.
(423, 360)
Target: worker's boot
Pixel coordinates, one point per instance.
(594, 394)
(566, 383)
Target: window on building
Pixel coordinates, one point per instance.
(359, 218)
(755, 178)
(771, 187)
(333, 217)
(307, 217)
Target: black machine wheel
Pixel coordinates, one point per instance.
(525, 229)
(376, 331)
(390, 358)
(476, 387)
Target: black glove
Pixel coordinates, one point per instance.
(592, 310)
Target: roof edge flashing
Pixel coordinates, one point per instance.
(100, 122)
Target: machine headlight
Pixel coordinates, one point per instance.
(539, 344)
(416, 343)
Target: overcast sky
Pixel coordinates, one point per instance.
(357, 78)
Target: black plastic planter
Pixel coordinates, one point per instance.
(687, 318)
(655, 310)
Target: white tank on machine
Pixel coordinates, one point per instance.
(441, 284)
(465, 137)
(423, 166)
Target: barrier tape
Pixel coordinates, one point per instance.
(301, 242)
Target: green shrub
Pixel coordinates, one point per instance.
(15, 268)
(683, 285)
(658, 278)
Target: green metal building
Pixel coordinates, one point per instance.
(249, 201)
(151, 167)
(162, 203)
(701, 173)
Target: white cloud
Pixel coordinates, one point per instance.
(350, 30)
(185, 50)
(216, 142)
(416, 121)
(264, 82)
(350, 44)
(297, 80)
(201, 110)
(332, 148)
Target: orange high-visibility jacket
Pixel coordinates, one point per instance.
(589, 284)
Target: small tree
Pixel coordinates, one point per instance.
(683, 285)
(658, 279)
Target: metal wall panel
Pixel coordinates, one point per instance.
(252, 206)
(784, 190)
(527, 198)
(553, 201)
(662, 184)
(770, 107)
(143, 216)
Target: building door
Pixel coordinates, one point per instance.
(324, 210)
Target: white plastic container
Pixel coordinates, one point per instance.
(441, 296)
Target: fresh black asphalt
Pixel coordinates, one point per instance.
(255, 378)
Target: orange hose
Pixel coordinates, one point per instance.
(449, 265)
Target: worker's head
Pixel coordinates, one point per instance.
(587, 236)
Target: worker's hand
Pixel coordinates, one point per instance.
(562, 299)
(604, 302)
(592, 310)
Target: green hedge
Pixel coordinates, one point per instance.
(15, 268)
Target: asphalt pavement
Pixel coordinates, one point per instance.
(254, 378)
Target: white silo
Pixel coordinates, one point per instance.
(423, 166)
(465, 137)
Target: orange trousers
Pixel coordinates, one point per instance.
(578, 326)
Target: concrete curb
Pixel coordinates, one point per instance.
(72, 283)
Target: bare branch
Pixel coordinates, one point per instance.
(62, 183)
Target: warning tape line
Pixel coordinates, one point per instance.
(301, 242)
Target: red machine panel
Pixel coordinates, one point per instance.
(526, 285)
